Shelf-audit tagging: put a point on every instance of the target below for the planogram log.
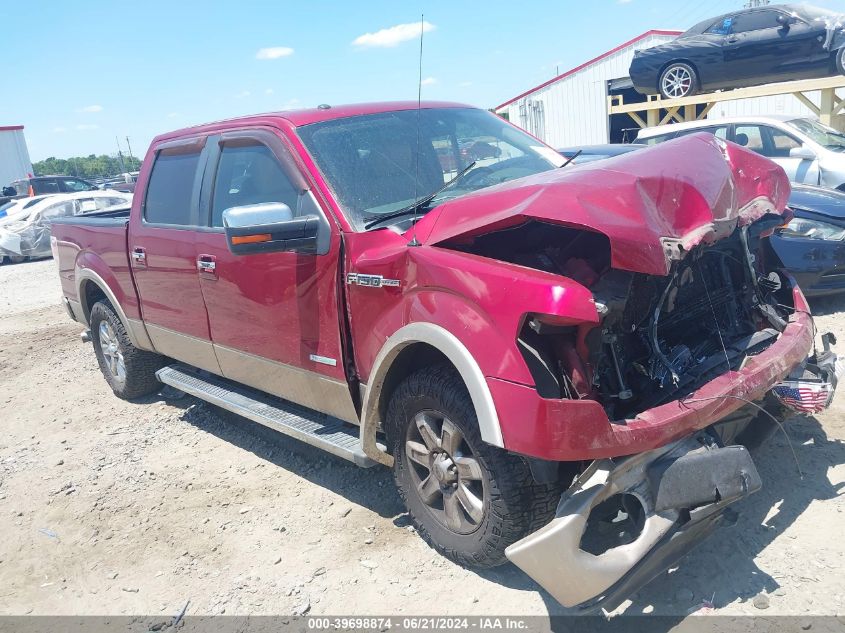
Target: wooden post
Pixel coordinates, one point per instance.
(653, 117)
(689, 113)
(827, 106)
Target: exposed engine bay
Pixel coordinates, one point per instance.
(660, 337)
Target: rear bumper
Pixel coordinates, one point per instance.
(684, 490)
(571, 430)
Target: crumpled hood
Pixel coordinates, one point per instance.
(653, 204)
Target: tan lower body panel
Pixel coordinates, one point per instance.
(303, 387)
(189, 349)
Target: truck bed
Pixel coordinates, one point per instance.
(97, 243)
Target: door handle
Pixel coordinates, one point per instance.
(139, 256)
(207, 264)
(732, 39)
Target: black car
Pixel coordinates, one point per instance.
(40, 185)
(745, 48)
(812, 246)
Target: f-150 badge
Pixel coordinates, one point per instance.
(370, 281)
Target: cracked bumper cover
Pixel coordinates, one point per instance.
(684, 489)
(572, 430)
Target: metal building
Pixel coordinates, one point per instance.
(14, 156)
(572, 108)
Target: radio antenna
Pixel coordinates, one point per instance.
(414, 241)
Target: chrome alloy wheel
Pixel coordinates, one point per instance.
(677, 82)
(110, 347)
(447, 478)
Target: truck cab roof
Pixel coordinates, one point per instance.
(307, 116)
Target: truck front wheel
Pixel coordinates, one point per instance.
(129, 371)
(468, 499)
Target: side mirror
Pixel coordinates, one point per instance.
(785, 20)
(804, 153)
(269, 227)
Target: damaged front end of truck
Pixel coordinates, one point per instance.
(672, 382)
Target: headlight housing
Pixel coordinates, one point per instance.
(802, 228)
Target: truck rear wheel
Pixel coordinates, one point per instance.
(129, 371)
(468, 499)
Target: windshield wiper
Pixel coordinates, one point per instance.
(422, 202)
(571, 158)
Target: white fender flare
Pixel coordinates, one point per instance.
(449, 345)
(134, 329)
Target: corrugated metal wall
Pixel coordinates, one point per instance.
(14, 156)
(575, 107)
(761, 106)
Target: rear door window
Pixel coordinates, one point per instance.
(749, 136)
(60, 210)
(169, 198)
(44, 186)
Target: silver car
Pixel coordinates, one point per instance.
(808, 151)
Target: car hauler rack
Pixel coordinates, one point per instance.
(658, 111)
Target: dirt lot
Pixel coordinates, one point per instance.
(118, 508)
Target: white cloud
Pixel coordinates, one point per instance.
(623, 1)
(59, 129)
(243, 95)
(392, 36)
(87, 126)
(173, 115)
(274, 52)
(429, 81)
(269, 91)
(291, 104)
(91, 108)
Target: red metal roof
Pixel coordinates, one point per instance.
(10, 128)
(589, 63)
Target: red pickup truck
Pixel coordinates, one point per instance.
(535, 351)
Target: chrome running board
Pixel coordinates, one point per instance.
(317, 429)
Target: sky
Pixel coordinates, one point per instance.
(83, 76)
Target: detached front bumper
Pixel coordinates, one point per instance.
(574, 430)
(683, 491)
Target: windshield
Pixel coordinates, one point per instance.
(821, 134)
(370, 161)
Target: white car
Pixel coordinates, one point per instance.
(25, 230)
(808, 151)
(17, 209)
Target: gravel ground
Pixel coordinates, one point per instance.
(110, 507)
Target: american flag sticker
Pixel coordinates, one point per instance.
(803, 396)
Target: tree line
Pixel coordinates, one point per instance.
(86, 166)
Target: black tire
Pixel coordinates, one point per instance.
(137, 377)
(513, 504)
(840, 60)
(686, 83)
